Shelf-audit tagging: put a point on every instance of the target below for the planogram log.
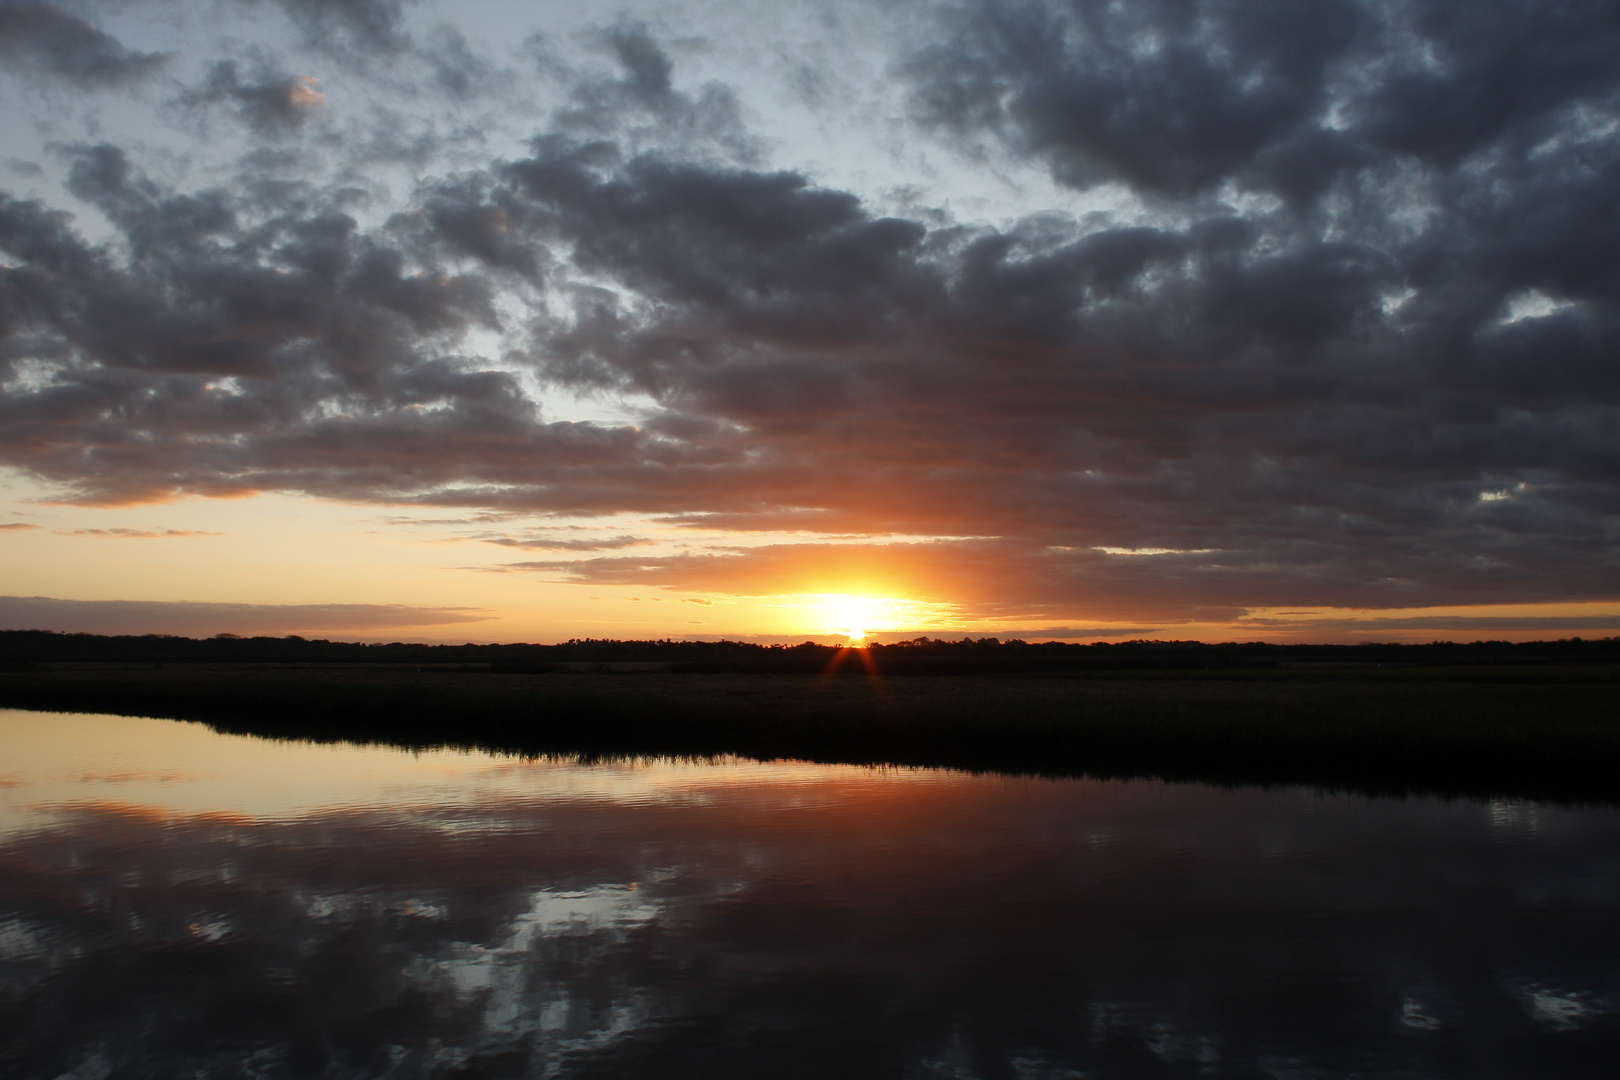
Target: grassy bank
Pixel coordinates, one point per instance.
(1548, 731)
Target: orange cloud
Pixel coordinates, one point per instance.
(136, 534)
(203, 619)
(301, 92)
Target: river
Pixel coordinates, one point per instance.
(180, 903)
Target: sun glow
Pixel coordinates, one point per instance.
(857, 616)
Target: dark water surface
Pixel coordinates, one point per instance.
(176, 903)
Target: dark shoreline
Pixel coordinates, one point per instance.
(1549, 732)
(919, 656)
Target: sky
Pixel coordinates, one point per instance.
(507, 321)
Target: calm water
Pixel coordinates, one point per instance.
(175, 903)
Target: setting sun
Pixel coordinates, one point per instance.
(856, 616)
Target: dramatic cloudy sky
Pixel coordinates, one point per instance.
(532, 320)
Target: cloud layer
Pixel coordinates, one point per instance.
(1344, 333)
(202, 619)
(55, 43)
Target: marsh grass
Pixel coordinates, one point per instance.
(1548, 731)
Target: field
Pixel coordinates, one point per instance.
(1543, 731)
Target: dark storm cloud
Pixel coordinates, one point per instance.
(201, 619)
(1338, 360)
(66, 47)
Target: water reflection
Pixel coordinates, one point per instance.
(177, 903)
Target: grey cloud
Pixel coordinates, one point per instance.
(457, 69)
(367, 26)
(228, 324)
(271, 103)
(1167, 97)
(642, 104)
(1507, 76)
(1175, 97)
(201, 619)
(469, 217)
(68, 48)
(764, 256)
(647, 69)
(1450, 624)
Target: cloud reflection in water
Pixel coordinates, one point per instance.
(450, 915)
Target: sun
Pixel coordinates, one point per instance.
(860, 616)
(855, 616)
